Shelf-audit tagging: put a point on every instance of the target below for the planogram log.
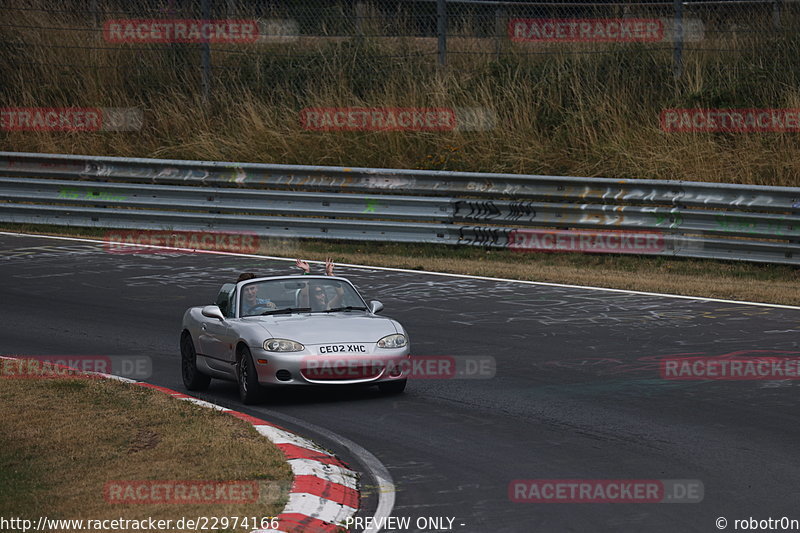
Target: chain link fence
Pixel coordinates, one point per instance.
(565, 88)
(50, 39)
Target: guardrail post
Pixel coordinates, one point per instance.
(441, 31)
(677, 38)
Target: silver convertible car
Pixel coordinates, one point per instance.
(292, 330)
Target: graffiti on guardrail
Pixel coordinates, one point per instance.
(77, 194)
(521, 210)
(490, 210)
(675, 220)
(237, 174)
(477, 210)
(734, 223)
(562, 203)
(483, 236)
(371, 204)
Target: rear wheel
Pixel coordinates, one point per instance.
(250, 391)
(393, 387)
(193, 379)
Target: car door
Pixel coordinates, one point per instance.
(216, 335)
(220, 338)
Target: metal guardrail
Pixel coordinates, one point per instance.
(691, 219)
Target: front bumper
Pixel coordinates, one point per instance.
(310, 368)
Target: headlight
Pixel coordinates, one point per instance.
(282, 345)
(393, 341)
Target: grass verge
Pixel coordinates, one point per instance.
(63, 440)
(778, 284)
(579, 109)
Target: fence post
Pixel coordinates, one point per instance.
(205, 7)
(776, 14)
(677, 37)
(95, 13)
(500, 30)
(441, 30)
(360, 11)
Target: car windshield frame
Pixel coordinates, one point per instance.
(351, 295)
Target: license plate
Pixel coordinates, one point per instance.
(342, 348)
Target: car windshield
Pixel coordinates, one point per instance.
(282, 296)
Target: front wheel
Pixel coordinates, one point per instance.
(392, 387)
(250, 391)
(193, 379)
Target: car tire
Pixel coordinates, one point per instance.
(193, 379)
(393, 387)
(250, 391)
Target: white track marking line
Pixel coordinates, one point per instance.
(405, 270)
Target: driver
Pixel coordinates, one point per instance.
(250, 300)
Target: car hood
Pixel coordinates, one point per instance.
(327, 328)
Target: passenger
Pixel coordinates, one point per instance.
(319, 300)
(303, 265)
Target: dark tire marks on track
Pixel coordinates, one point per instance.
(576, 395)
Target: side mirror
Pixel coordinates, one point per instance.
(212, 311)
(375, 306)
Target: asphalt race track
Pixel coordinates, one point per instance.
(577, 392)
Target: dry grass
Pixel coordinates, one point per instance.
(61, 440)
(582, 110)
